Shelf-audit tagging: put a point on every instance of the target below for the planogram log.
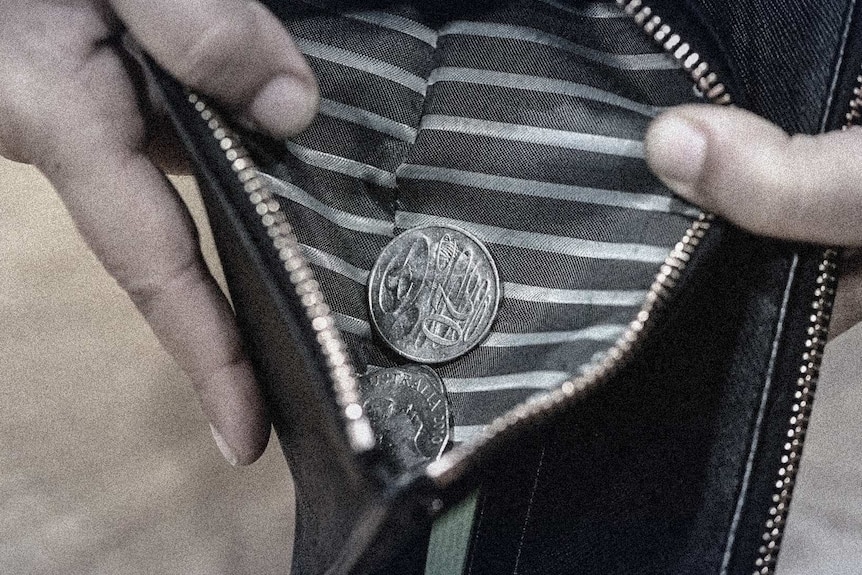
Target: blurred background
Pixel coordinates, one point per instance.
(106, 462)
(107, 465)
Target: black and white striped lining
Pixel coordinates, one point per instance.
(521, 123)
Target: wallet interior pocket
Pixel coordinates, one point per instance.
(513, 125)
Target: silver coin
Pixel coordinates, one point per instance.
(409, 412)
(433, 293)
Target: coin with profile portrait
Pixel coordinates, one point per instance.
(409, 412)
(433, 293)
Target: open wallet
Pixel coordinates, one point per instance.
(462, 281)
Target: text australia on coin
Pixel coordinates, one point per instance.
(409, 412)
(434, 293)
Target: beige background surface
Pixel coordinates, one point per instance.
(107, 466)
(106, 463)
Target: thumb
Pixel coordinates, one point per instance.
(233, 50)
(742, 167)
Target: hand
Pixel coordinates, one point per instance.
(69, 106)
(740, 166)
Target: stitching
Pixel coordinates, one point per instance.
(476, 537)
(833, 88)
(761, 412)
(529, 509)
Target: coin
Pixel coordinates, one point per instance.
(409, 412)
(433, 293)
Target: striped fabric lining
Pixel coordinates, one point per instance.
(561, 245)
(346, 166)
(607, 333)
(345, 220)
(428, 35)
(648, 61)
(588, 9)
(534, 135)
(397, 23)
(534, 379)
(625, 298)
(450, 163)
(517, 238)
(634, 201)
(363, 63)
(538, 84)
(368, 120)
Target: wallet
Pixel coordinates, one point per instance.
(463, 281)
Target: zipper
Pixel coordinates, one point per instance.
(705, 80)
(708, 85)
(342, 375)
(820, 307)
(806, 383)
(450, 466)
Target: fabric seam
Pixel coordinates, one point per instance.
(529, 510)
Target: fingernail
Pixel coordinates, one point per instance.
(285, 106)
(676, 151)
(225, 449)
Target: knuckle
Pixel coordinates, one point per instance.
(150, 290)
(226, 369)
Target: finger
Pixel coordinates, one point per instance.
(135, 224)
(133, 220)
(234, 50)
(737, 164)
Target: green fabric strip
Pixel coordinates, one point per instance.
(450, 538)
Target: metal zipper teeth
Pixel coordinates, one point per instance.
(704, 79)
(307, 289)
(706, 82)
(806, 383)
(854, 111)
